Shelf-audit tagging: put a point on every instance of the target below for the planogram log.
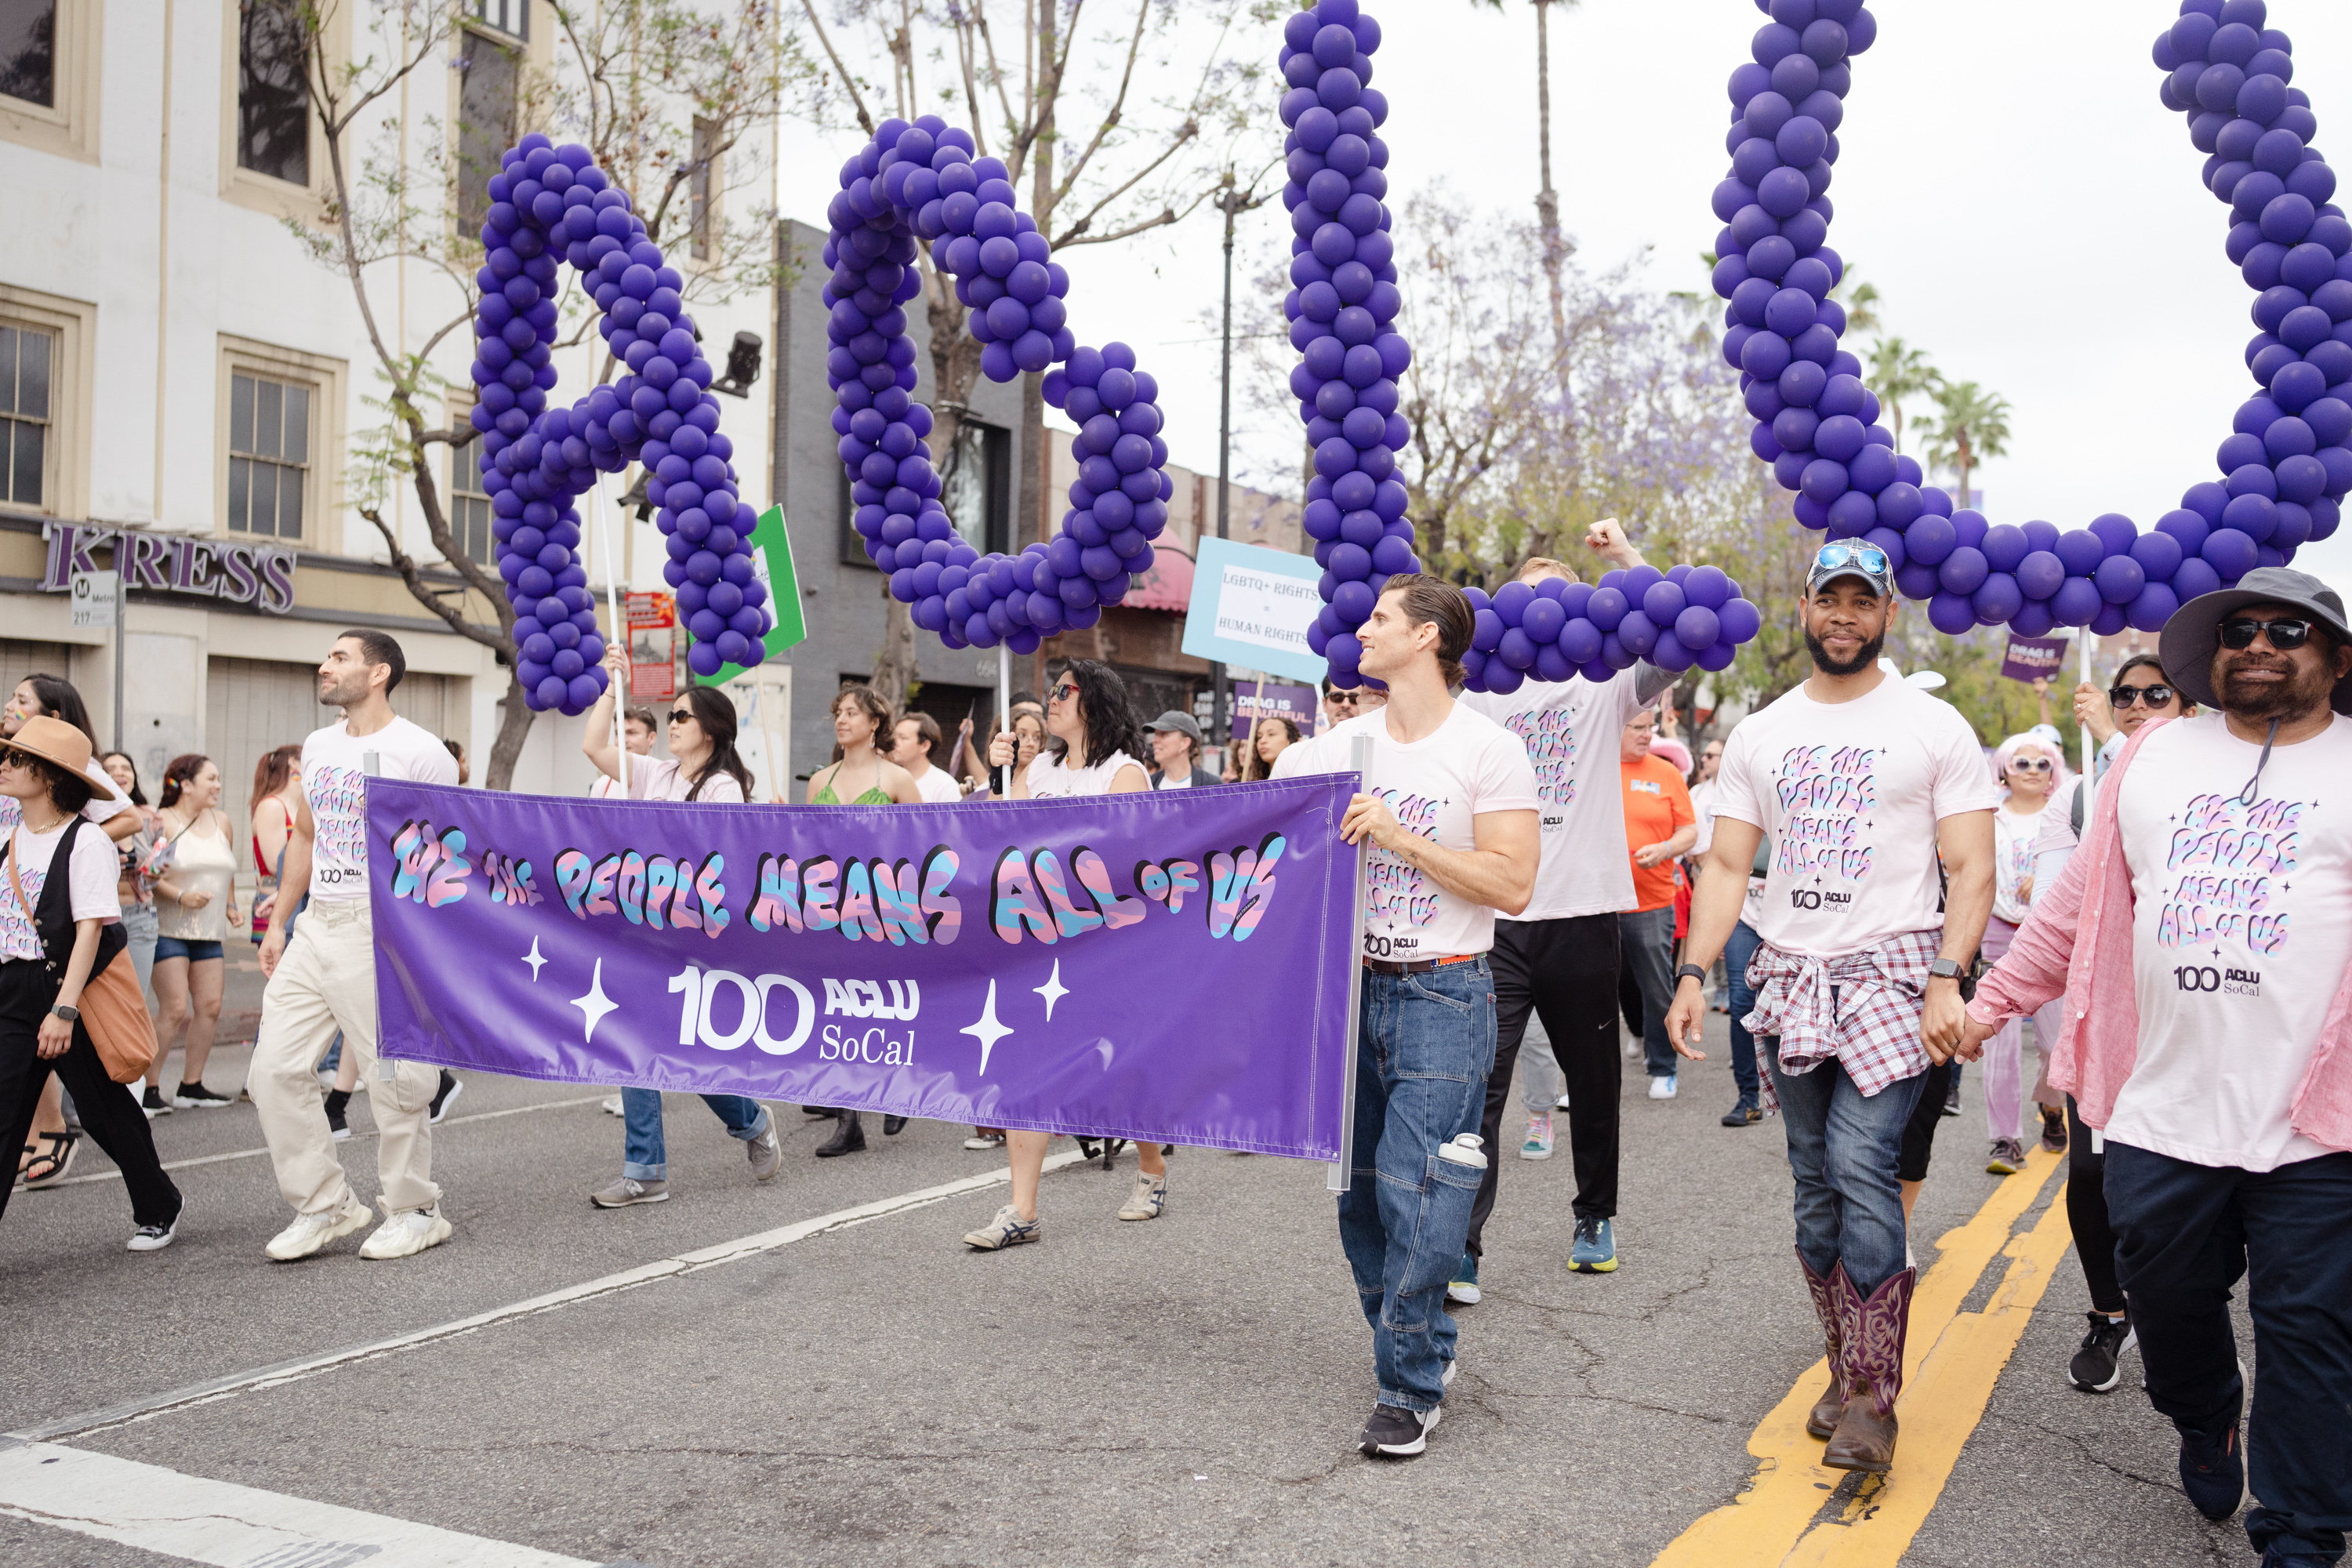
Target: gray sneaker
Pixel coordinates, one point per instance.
(766, 1152)
(628, 1190)
(1007, 1229)
(1148, 1201)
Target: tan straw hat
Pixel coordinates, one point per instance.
(55, 741)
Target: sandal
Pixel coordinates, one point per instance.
(49, 1168)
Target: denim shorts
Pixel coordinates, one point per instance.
(189, 948)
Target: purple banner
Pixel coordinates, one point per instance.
(1172, 966)
(2035, 659)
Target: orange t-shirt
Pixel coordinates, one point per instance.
(1657, 806)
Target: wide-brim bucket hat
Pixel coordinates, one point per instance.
(55, 741)
(2189, 639)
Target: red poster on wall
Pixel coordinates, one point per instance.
(653, 652)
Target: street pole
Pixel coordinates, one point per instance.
(1232, 204)
(121, 613)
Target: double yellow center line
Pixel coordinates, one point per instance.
(1798, 1513)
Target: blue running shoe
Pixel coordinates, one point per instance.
(1596, 1247)
(1464, 1291)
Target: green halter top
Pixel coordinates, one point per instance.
(875, 795)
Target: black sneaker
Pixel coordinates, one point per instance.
(1396, 1433)
(2213, 1472)
(196, 1097)
(154, 1104)
(445, 1096)
(1743, 1115)
(156, 1237)
(338, 1102)
(2094, 1368)
(1952, 1098)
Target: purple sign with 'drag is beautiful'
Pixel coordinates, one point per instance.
(1161, 966)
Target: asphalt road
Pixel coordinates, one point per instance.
(1187, 1390)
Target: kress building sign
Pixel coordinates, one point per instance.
(252, 575)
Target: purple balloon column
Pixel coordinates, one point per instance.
(2283, 470)
(1342, 314)
(923, 181)
(548, 201)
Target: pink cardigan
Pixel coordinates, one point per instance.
(2078, 942)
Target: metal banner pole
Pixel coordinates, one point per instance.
(620, 628)
(121, 615)
(1005, 711)
(1337, 1173)
(2087, 753)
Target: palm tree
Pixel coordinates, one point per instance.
(1556, 247)
(1973, 427)
(1898, 371)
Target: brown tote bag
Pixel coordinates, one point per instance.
(112, 1008)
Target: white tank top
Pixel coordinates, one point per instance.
(201, 862)
(1050, 778)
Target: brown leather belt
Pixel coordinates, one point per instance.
(1418, 966)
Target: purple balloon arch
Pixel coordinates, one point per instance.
(548, 201)
(1342, 313)
(2285, 468)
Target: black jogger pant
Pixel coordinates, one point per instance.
(2087, 1212)
(109, 1113)
(1565, 971)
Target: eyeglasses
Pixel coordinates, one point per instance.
(2029, 764)
(681, 715)
(2124, 696)
(1865, 557)
(2285, 634)
(1065, 691)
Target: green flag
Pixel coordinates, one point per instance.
(771, 562)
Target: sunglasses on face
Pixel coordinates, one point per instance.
(1061, 693)
(2285, 634)
(681, 715)
(2029, 764)
(2124, 696)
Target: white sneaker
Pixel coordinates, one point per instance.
(613, 1105)
(1662, 1087)
(1561, 1104)
(405, 1234)
(309, 1232)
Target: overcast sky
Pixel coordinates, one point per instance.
(2007, 178)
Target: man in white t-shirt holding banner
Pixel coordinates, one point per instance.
(324, 978)
(1860, 780)
(1558, 957)
(2203, 936)
(1447, 817)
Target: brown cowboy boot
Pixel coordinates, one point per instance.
(1873, 1333)
(1831, 1403)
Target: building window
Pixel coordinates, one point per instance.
(488, 91)
(976, 485)
(268, 455)
(469, 508)
(26, 354)
(511, 18)
(28, 52)
(702, 191)
(273, 93)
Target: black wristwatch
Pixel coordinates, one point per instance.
(1947, 969)
(1690, 972)
(70, 1015)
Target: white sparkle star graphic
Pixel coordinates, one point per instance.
(596, 1005)
(985, 1029)
(534, 959)
(1053, 991)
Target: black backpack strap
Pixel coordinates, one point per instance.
(53, 911)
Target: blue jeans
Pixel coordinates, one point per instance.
(1737, 949)
(1646, 949)
(1844, 1147)
(2185, 1234)
(1426, 1043)
(646, 1160)
(139, 927)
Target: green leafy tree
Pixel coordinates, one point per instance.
(1969, 426)
(1898, 372)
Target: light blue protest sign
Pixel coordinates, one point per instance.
(1254, 606)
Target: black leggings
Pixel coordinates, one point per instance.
(1920, 1132)
(2087, 1212)
(108, 1112)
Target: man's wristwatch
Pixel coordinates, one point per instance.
(70, 1015)
(1947, 969)
(1690, 972)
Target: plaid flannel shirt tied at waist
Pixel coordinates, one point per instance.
(1872, 1026)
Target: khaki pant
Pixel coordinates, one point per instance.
(326, 981)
